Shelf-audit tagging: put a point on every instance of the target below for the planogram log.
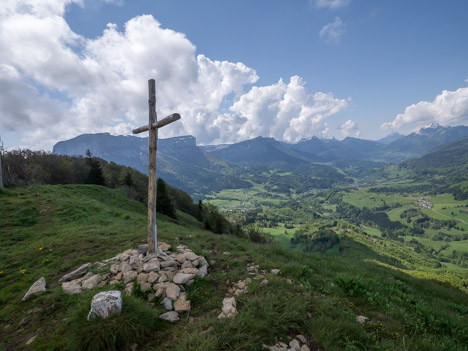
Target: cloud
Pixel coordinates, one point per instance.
(285, 111)
(448, 108)
(331, 4)
(59, 84)
(349, 128)
(333, 31)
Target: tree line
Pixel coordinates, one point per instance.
(26, 167)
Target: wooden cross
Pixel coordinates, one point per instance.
(153, 127)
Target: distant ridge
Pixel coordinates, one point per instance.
(416, 144)
(390, 138)
(200, 170)
(180, 161)
(263, 152)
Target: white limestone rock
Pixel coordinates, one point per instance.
(129, 276)
(163, 278)
(229, 308)
(172, 291)
(169, 264)
(142, 278)
(171, 317)
(182, 278)
(91, 282)
(134, 260)
(125, 267)
(301, 338)
(152, 266)
(181, 305)
(164, 246)
(203, 271)
(202, 261)
(361, 319)
(186, 264)
(152, 277)
(106, 304)
(189, 255)
(76, 273)
(189, 270)
(114, 269)
(180, 258)
(129, 289)
(167, 303)
(38, 288)
(294, 345)
(73, 287)
(145, 287)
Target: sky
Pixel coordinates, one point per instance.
(234, 70)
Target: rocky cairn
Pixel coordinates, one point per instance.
(161, 275)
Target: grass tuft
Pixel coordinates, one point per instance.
(136, 321)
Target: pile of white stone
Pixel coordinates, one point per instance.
(162, 274)
(299, 343)
(229, 309)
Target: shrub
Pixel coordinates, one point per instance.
(256, 235)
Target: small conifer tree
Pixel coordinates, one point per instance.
(164, 202)
(95, 175)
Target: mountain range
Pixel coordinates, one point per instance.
(202, 169)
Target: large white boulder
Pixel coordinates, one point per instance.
(106, 304)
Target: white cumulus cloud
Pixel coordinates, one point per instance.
(448, 108)
(349, 128)
(59, 84)
(285, 111)
(332, 4)
(332, 32)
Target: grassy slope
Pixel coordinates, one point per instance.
(89, 223)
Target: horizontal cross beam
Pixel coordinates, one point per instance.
(165, 121)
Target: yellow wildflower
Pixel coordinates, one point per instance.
(22, 271)
(40, 249)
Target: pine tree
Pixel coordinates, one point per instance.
(199, 214)
(95, 175)
(128, 180)
(164, 202)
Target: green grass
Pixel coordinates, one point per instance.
(136, 321)
(315, 295)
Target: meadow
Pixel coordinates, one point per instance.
(49, 230)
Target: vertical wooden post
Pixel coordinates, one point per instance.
(153, 139)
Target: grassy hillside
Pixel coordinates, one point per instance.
(49, 230)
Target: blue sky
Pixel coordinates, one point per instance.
(348, 67)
